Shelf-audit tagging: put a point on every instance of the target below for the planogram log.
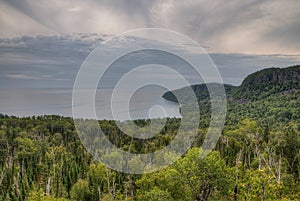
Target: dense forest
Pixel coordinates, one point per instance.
(256, 158)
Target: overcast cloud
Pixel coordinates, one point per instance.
(252, 27)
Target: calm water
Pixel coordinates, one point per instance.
(28, 102)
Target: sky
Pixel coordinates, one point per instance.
(251, 27)
(44, 43)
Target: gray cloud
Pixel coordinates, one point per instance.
(252, 27)
(53, 61)
(43, 61)
(237, 26)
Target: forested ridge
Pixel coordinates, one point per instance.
(255, 86)
(256, 158)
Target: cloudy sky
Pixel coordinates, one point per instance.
(43, 43)
(252, 27)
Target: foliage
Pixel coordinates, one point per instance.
(256, 158)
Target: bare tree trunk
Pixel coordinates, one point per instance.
(279, 170)
(108, 182)
(2, 175)
(16, 185)
(279, 175)
(48, 186)
(238, 158)
(10, 157)
(22, 168)
(111, 189)
(99, 193)
(114, 189)
(259, 158)
(263, 192)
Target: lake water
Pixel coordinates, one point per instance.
(28, 102)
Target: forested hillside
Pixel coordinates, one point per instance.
(257, 157)
(255, 86)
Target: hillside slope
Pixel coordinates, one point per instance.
(255, 86)
(269, 81)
